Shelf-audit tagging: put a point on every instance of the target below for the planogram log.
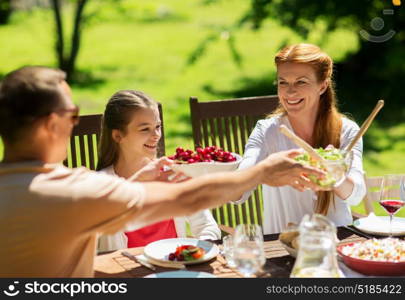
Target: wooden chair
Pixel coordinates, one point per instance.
(84, 141)
(85, 138)
(228, 124)
(373, 185)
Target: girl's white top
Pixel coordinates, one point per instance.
(202, 226)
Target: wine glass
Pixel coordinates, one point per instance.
(392, 190)
(248, 252)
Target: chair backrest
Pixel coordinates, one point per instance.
(373, 185)
(84, 141)
(228, 124)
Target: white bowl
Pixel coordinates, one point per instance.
(202, 168)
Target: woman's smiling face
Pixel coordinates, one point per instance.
(298, 89)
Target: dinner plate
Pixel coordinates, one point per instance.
(370, 267)
(161, 249)
(181, 274)
(380, 225)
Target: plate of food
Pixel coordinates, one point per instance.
(290, 238)
(380, 257)
(181, 250)
(203, 161)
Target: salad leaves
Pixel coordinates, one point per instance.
(335, 167)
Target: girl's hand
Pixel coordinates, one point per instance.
(173, 177)
(157, 170)
(152, 171)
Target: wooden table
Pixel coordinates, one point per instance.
(278, 262)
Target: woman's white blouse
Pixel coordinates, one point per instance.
(202, 226)
(286, 204)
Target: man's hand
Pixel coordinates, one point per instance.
(281, 169)
(155, 171)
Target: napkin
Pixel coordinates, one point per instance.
(378, 224)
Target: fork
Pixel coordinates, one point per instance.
(142, 262)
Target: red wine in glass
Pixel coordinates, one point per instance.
(392, 194)
(392, 206)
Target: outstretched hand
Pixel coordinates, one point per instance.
(157, 170)
(281, 169)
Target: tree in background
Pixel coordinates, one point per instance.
(5, 11)
(67, 49)
(67, 52)
(363, 77)
(374, 71)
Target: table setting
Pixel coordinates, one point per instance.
(277, 263)
(250, 254)
(371, 246)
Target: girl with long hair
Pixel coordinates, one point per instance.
(308, 107)
(131, 131)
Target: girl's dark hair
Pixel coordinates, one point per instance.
(117, 115)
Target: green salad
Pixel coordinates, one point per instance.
(335, 167)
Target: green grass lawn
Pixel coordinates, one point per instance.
(146, 46)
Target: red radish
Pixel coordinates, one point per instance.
(207, 154)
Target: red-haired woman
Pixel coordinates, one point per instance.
(308, 107)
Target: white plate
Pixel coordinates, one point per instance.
(161, 249)
(380, 225)
(181, 274)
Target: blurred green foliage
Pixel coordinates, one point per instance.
(369, 72)
(365, 75)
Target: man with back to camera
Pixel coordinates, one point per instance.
(50, 215)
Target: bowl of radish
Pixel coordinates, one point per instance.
(202, 161)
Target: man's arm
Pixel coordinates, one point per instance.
(165, 200)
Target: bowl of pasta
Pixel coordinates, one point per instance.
(379, 257)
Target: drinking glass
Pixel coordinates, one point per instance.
(248, 249)
(228, 250)
(316, 255)
(392, 195)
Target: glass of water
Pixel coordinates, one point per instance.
(228, 249)
(248, 251)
